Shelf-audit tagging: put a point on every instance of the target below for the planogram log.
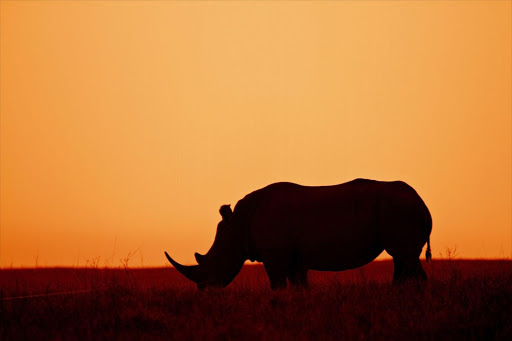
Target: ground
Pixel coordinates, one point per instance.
(464, 299)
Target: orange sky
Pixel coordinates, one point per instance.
(125, 125)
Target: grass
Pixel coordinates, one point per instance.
(463, 300)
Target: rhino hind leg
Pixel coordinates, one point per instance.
(408, 269)
(405, 246)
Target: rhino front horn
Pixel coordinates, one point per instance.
(191, 272)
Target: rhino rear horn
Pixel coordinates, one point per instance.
(191, 272)
(199, 258)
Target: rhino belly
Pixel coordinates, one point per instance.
(339, 258)
(337, 249)
(331, 235)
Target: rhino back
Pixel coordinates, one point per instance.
(332, 227)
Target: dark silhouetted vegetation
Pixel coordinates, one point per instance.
(463, 300)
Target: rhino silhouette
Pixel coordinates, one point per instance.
(293, 228)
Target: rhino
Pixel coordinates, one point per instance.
(292, 228)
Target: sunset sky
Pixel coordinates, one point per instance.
(125, 125)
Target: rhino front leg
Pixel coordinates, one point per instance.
(298, 274)
(299, 278)
(276, 266)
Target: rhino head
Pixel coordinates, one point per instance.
(219, 266)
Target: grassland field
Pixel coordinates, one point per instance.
(463, 300)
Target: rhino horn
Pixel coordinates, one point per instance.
(191, 272)
(199, 257)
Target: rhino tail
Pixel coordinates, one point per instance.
(428, 253)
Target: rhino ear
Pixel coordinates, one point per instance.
(199, 257)
(226, 212)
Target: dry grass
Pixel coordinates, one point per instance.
(463, 300)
